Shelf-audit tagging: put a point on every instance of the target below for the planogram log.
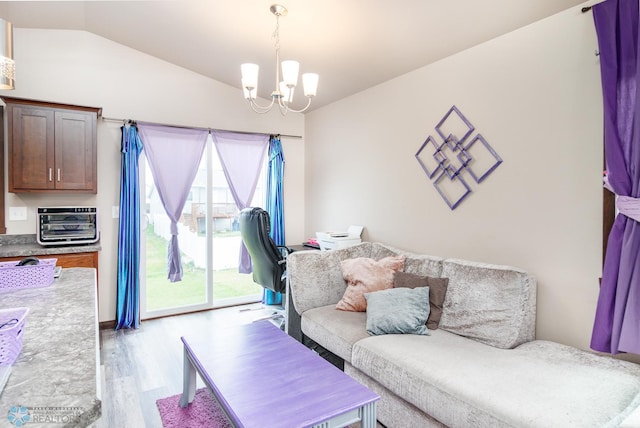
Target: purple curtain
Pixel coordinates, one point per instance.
(174, 156)
(617, 322)
(242, 159)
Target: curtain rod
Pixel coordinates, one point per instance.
(115, 119)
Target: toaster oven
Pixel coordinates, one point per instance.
(67, 225)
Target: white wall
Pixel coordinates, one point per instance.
(535, 95)
(76, 67)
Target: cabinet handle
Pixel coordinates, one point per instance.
(58, 174)
(50, 174)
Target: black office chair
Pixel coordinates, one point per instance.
(267, 258)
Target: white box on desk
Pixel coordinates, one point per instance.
(336, 240)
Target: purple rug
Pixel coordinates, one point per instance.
(203, 412)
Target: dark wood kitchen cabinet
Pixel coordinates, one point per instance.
(52, 147)
(65, 260)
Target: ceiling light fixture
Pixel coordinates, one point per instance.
(7, 65)
(283, 93)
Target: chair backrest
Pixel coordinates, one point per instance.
(266, 258)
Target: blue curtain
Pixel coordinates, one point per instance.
(275, 205)
(128, 292)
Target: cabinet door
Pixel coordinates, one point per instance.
(31, 151)
(75, 158)
(67, 260)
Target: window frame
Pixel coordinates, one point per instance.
(608, 218)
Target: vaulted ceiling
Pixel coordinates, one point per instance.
(351, 44)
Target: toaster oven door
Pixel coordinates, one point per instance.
(67, 228)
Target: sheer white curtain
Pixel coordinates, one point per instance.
(174, 155)
(242, 158)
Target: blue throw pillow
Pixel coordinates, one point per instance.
(398, 311)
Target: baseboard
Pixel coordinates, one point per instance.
(107, 325)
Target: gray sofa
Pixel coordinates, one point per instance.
(481, 368)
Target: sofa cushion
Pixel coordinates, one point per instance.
(398, 311)
(489, 303)
(464, 383)
(437, 292)
(335, 330)
(392, 410)
(365, 275)
(419, 264)
(315, 278)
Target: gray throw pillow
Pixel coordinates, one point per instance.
(398, 311)
(437, 292)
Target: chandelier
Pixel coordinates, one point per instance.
(282, 95)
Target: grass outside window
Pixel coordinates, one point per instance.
(161, 293)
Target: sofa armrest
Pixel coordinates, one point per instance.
(315, 277)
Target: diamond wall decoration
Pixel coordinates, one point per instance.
(447, 161)
(454, 124)
(488, 157)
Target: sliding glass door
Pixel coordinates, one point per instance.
(209, 239)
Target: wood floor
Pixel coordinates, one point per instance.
(140, 366)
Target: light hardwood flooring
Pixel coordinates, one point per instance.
(140, 366)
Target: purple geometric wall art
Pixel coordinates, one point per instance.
(426, 157)
(450, 159)
(452, 187)
(483, 159)
(454, 124)
(452, 155)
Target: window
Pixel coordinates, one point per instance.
(209, 243)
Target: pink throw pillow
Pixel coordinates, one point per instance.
(365, 275)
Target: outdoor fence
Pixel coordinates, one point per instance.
(194, 248)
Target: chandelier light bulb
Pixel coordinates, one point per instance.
(249, 94)
(287, 92)
(310, 84)
(290, 73)
(250, 76)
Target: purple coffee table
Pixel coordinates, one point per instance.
(261, 377)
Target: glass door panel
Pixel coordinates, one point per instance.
(163, 297)
(229, 286)
(209, 238)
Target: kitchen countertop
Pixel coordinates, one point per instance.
(26, 245)
(57, 372)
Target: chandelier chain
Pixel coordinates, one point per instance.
(276, 33)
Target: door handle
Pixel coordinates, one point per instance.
(58, 174)
(50, 174)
